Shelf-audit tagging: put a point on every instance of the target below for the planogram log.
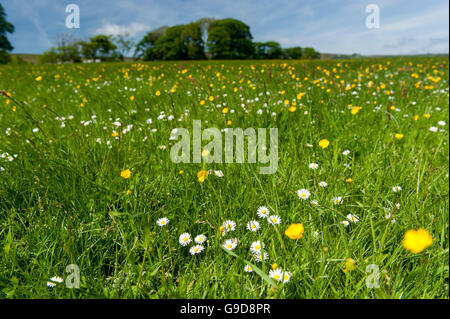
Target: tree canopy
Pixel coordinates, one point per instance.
(5, 28)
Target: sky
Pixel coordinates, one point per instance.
(329, 26)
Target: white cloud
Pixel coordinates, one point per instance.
(114, 29)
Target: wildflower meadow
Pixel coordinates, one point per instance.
(355, 205)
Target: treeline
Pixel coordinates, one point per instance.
(206, 38)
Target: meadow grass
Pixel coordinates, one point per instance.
(63, 200)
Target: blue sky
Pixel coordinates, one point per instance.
(331, 26)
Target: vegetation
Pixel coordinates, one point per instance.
(361, 187)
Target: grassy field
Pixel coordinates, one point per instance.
(86, 178)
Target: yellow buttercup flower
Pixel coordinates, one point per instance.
(355, 110)
(398, 136)
(39, 78)
(295, 231)
(324, 143)
(202, 175)
(125, 173)
(417, 240)
(349, 265)
(158, 93)
(225, 110)
(292, 109)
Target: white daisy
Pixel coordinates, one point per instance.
(313, 166)
(253, 225)
(263, 212)
(218, 173)
(162, 221)
(286, 276)
(303, 193)
(338, 200)
(57, 279)
(261, 257)
(256, 247)
(314, 203)
(230, 244)
(248, 268)
(197, 249)
(353, 218)
(346, 152)
(323, 184)
(434, 129)
(229, 225)
(396, 189)
(345, 223)
(276, 274)
(50, 284)
(200, 239)
(274, 220)
(184, 239)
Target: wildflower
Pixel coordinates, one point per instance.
(260, 257)
(295, 231)
(274, 266)
(286, 276)
(346, 152)
(417, 240)
(248, 268)
(256, 247)
(396, 189)
(197, 249)
(433, 129)
(441, 123)
(158, 93)
(324, 143)
(162, 221)
(349, 265)
(202, 175)
(39, 78)
(218, 173)
(349, 180)
(184, 239)
(276, 274)
(229, 225)
(230, 244)
(313, 166)
(338, 200)
(57, 279)
(323, 184)
(263, 212)
(353, 218)
(398, 136)
(200, 239)
(125, 174)
(253, 225)
(50, 284)
(274, 220)
(314, 203)
(303, 193)
(345, 223)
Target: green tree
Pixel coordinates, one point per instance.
(293, 53)
(192, 39)
(310, 53)
(268, 50)
(99, 46)
(5, 45)
(170, 46)
(145, 49)
(230, 39)
(50, 56)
